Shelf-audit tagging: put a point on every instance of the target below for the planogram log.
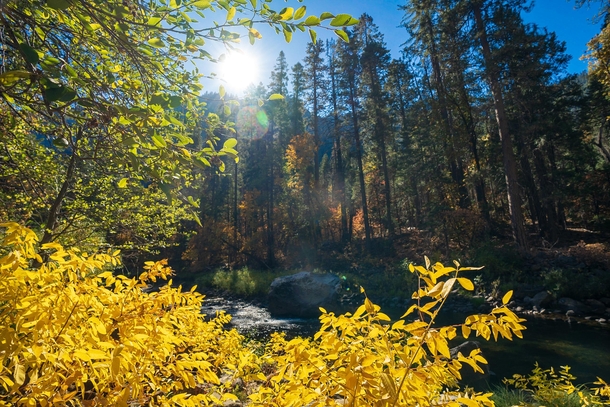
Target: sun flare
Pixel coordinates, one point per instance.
(238, 70)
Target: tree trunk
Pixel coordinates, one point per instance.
(455, 164)
(356, 130)
(508, 156)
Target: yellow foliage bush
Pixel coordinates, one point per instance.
(72, 333)
(550, 388)
(363, 359)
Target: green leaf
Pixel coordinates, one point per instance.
(276, 96)
(201, 162)
(59, 93)
(230, 143)
(300, 13)
(341, 34)
(326, 15)
(156, 42)
(287, 35)
(312, 20)
(60, 142)
(340, 20)
(226, 109)
(221, 91)
(197, 219)
(70, 71)
(313, 35)
(253, 2)
(202, 4)
(29, 53)
(159, 141)
(58, 4)
(153, 21)
(11, 77)
(167, 190)
(123, 183)
(192, 201)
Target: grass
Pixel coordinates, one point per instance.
(504, 397)
(244, 282)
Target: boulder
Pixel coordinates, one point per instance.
(470, 378)
(302, 294)
(542, 299)
(596, 306)
(577, 307)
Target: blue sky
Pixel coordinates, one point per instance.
(574, 26)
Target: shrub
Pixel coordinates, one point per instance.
(73, 333)
(556, 389)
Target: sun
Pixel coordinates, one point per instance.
(238, 70)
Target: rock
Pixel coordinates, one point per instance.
(568, 304)
(606, 301)
(597, 307)
(469, 376)
(302, 294)
(542, 299)
(526, 290)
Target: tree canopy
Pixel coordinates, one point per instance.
(110, 90)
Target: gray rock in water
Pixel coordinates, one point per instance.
(302, 294)
(542, 299)
(470, 378)
(596, 306)
(568, 304)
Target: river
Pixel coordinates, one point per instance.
(551, 343)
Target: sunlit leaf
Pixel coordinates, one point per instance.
(312, 20)
(340, 20)
(156, 42)
(300, 12)
(506, 298)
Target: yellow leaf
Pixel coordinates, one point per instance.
(116, 365)
(466, 283)
(98, 354)
(436, 290)
(231, 13)
(465, 331)
(19, 374)
(507, 297)
(82, 355)
(447, 287)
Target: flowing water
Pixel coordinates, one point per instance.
(585, 348)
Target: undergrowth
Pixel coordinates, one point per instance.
(73, 333)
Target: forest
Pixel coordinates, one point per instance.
(118, 171)
(476, 133)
